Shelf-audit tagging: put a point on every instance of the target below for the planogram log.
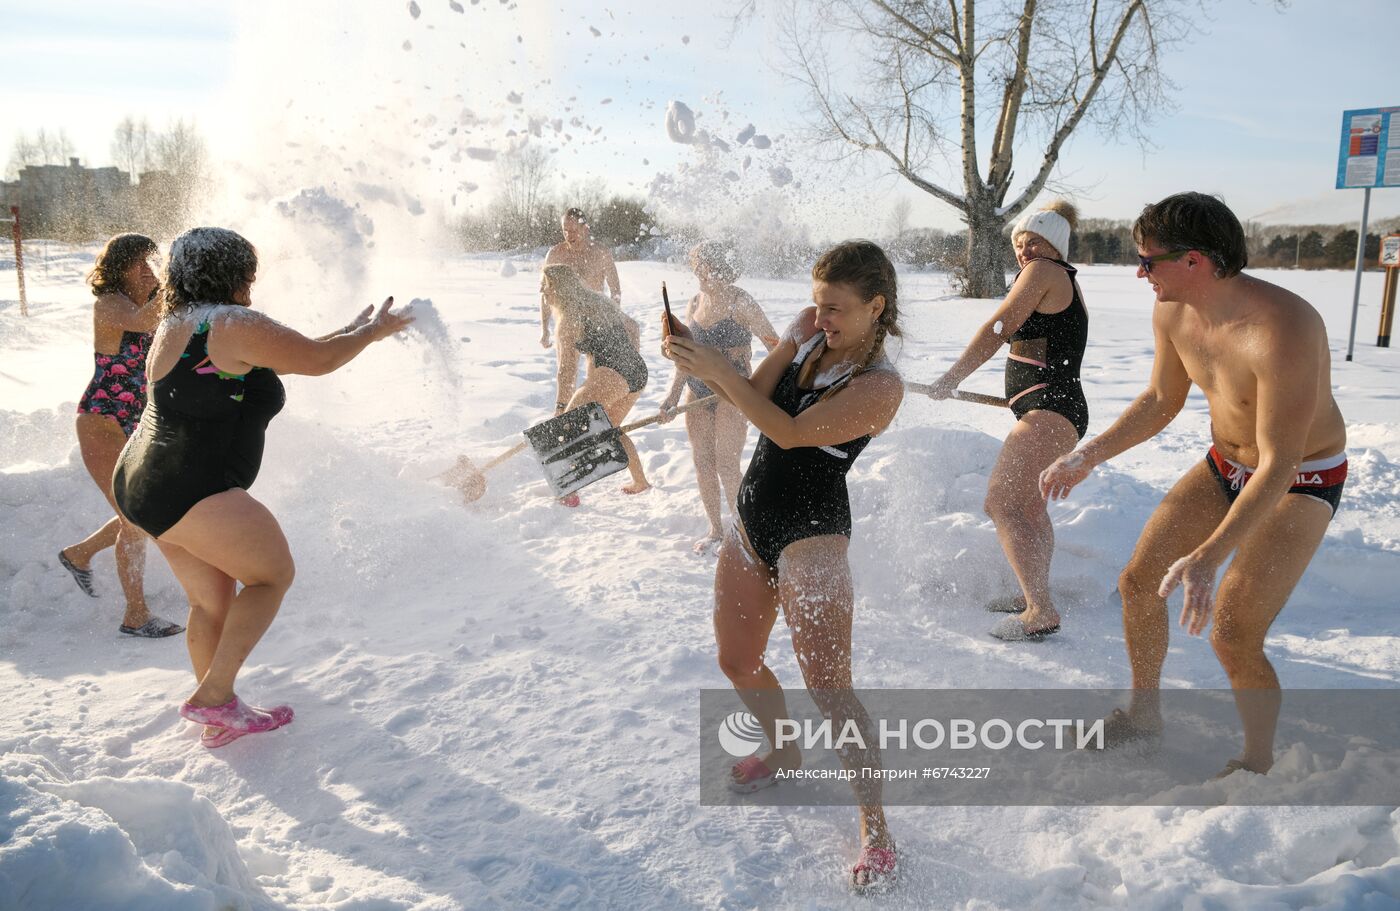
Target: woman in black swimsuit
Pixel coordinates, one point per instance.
(593, 324)
(123, 316)
(817, 399)
(725, 317)
(1044, 319)
(184, 475)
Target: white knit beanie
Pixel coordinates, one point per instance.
(1049, 225)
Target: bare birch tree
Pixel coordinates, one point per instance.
(180, 152)
(131, 146)
(919, 100)
(898, 220)
(54, 148)
(23, 153)
(523, 173)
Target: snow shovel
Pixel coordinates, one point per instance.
(560, 443)
(960, 396)
(582, 446)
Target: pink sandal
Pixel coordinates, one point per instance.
(215, 737)
(233, 714)
(571, 500)
(881, 867)
(749, 775)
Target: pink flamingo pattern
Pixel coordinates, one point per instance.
(118, 386)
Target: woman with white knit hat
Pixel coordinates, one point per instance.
(1044, 319)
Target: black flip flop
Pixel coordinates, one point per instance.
(81, 576)
(1119, 731)
(1010, 629)
(1005, 605)
(154, 628)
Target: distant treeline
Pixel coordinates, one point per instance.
(1270, 246)
(525, 214)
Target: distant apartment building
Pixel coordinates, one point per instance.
(9, 196)
(73, 201)
(77, 203)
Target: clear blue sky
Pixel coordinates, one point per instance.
(1259, 97)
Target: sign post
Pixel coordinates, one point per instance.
(1369, 158)
(19, 257)
(1390, 258)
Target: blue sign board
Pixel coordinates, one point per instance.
(1370, 153)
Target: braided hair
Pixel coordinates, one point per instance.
(865, 267)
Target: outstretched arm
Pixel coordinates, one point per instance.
(247, 339)
(1031, 287)
(361, 319)
(1144, 418)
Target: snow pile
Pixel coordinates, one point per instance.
(135, 844)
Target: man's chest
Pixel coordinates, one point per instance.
(1216, 359)
(585, 262)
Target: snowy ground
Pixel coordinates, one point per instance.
(496, 705)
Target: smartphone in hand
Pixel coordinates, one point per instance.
(667, 324)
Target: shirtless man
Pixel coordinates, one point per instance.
(1259, 353)
(592, 261)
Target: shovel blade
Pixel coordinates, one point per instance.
(577, 448)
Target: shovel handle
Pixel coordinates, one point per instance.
(505, 455)
(960, 396)
(644, 422)
(489, 465)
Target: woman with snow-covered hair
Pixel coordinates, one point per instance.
(185, 473)
(1047, 325)
(727, 317)
(593, 324)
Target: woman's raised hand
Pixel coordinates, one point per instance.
(361, 319)
(384, 323)
(698, 360)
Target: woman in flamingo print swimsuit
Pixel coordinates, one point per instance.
(123, 316)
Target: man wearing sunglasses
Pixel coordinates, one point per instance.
(1268, 486)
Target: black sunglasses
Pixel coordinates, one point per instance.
(1145, 262)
